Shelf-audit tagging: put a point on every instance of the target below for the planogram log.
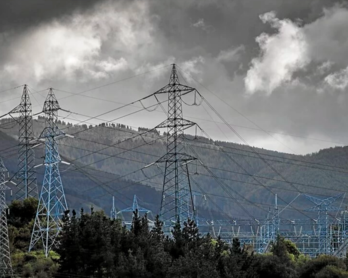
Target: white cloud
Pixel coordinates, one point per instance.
(154, 71)
(111, 65)
(291, 144)
(282, 54)
(202, 25)
(230, 55)
(338, 80)
(199, 23)
(73, 49)
(192, 69)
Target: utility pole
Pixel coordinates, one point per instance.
(275, 219)
(177, 196)
(113, 209)
(26, 174)
(52, 201)
(5, 256)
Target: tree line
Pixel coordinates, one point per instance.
(93, 245)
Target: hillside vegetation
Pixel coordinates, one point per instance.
(235, 178)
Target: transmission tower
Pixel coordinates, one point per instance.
(5, 256)
(52, 201)
(323, 206)
(176, 195)
(26, 174)
(113, 209)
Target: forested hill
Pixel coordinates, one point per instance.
(236, 179)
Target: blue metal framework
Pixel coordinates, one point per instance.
(135, 207)
(342, 238)
(323, 235)
(322, 206)
(5, 256)
(26, 174)
(271, 227)
(52, 201)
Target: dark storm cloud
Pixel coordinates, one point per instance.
(230, 20)
(231, 23)
(17, 15)
(78, 45)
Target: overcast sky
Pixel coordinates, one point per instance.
(276, 70)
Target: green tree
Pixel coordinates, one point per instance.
(315, 266)
(20, 223)
(272, 266)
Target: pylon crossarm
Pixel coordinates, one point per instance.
(177, 122)
(323, 208)
(324, 202)
(178, 88)
(178, 157)
(17, 109)
(4, 115)
(314, 200)
(3, 186)
(332, 199)
(140, 209)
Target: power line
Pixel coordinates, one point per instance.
(243, 150)
(165, 101)
(214, 168)
(115, 82)
(238, 113)
(222, 169)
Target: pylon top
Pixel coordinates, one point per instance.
(323, 204)
(25, 102)
(325, 201)
(174, 78)
(51, 103)
(135, 203)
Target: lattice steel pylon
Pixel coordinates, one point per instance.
(52, 201)
(323, 206)
(26, 174)
(176, 195)
(5, 255)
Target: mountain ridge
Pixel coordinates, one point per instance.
(245, 177)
